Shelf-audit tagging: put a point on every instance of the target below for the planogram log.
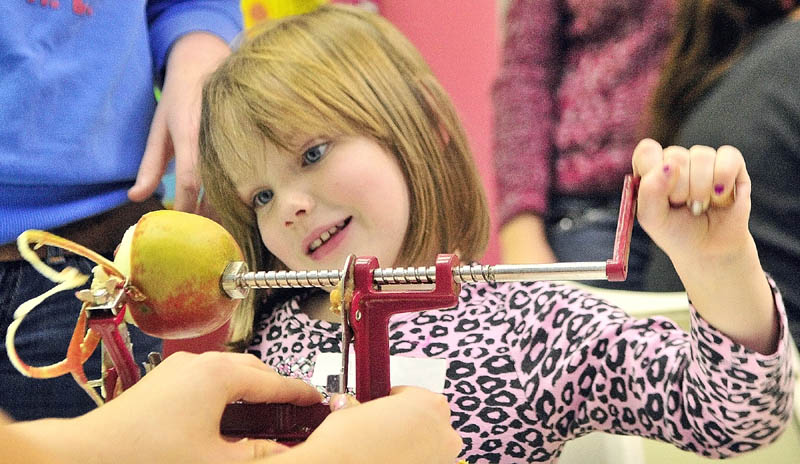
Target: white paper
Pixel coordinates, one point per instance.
(418, 372)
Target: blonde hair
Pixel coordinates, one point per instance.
(341, 71)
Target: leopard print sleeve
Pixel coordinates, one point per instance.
(532, 365)
(588, 366)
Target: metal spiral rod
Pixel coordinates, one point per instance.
(236, 280)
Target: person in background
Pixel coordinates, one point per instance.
(173, 415)
(574, 81)
(732, 79)
(83, 147)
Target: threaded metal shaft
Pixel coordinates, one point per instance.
(236, 280)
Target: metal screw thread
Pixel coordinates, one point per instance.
(381, 276)
(473, 273)
(407, 275)
(289, 279)
(426, 275)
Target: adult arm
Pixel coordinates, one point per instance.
(189, 40)
(171, 415)
(523, 240)
(524, 111)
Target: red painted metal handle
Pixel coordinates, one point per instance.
(286, 423)
(617, 266)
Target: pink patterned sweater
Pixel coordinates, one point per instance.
(533, 365)
(570, 95)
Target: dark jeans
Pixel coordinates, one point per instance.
(42, 339)
(583, 229)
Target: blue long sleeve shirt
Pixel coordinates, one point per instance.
(76, 99)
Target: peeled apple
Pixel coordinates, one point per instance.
(175, 261)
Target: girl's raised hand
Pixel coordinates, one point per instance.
(694, 203)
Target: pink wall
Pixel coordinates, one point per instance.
(460, 42)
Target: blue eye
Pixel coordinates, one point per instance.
(262, 197)
(315, 153)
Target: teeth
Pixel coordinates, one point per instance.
(325, 236)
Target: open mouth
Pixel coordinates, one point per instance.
(327, 235)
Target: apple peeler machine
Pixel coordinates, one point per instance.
(363, 294)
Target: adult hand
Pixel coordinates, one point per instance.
(171, 415)
(523, 240)
(410, 425)
(175, 127)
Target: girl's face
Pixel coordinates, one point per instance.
(329, 198)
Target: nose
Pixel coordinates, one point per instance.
(297, 205)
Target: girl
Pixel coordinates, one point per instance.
(326, 134)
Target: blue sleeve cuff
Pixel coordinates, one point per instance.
(221, 18)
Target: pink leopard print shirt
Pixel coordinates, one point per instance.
(532, 365)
